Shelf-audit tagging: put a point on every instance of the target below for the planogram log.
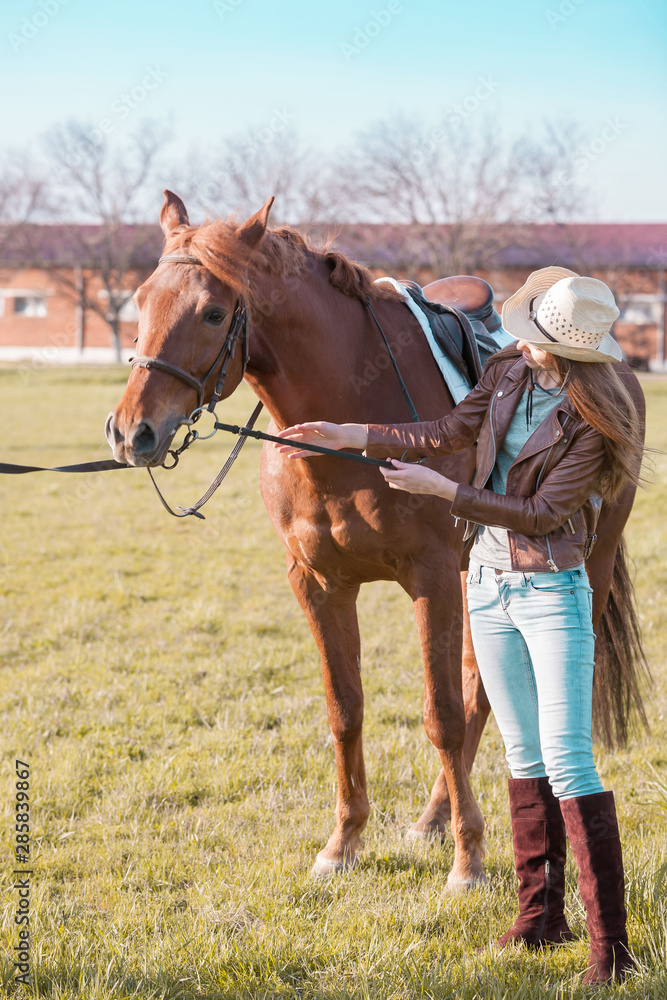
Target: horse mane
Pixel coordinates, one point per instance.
(283, 252)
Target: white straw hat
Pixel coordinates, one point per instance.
(565, 314)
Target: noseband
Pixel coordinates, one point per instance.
(238, 328)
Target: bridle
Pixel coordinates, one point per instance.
(238, 328)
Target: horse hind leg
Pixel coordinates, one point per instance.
(434, 820)
(332, 617)
(439, 622)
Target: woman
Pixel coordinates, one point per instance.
(556, 433)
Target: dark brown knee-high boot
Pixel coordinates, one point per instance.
(592, 828)
(539, 852)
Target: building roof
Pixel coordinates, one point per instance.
(82, 245)
(572, 245)
(598, 244)
(386, 246)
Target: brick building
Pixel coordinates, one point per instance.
(44, 311)
(630, 257)
(55, 284)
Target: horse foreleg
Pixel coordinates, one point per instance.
(332, 617)
(433, 821)
(440, 627)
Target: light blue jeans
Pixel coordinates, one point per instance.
(533, 639)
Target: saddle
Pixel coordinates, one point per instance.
(462, 317)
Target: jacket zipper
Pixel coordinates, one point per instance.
(550, 561)
(493, 438)
(544, 463)
(493, 433)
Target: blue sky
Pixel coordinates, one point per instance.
(333, 67)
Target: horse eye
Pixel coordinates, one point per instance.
(214, 316)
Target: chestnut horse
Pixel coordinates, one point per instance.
(315, 353)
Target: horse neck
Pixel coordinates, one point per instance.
(309, 348)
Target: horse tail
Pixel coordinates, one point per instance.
(621, 668)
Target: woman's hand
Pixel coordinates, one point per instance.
(418, 479)
(321, 432)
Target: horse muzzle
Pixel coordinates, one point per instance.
(140, 443)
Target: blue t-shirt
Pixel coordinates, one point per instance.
(491, 547)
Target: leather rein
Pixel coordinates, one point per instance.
(238, 330)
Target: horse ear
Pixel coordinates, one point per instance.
(173, 214)
(252, 230)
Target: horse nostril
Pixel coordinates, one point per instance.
(110, 428)
(145, 439)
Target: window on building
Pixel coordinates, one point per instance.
(30, 305)
(128, 312)
(640, 312)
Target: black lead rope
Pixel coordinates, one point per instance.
(302, 446)
(244, 432)
(194, 509)
(6, 469)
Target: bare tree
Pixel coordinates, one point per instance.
(558, 194)
(554, 186)
(22, 198)
(260, 162)
(463, 191)
(456, 187)
(105, 192)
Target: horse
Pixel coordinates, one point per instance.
(314, 353)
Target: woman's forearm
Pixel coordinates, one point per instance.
(321, 432)
(356, 435)
(457, 430)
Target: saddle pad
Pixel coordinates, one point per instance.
(459, 386)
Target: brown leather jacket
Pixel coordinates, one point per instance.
(549, 508)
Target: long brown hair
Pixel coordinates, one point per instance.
(599, 396)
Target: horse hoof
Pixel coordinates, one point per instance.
(415, 834)
(457, 886)
(324, 867)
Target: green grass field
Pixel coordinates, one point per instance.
(160, 680)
